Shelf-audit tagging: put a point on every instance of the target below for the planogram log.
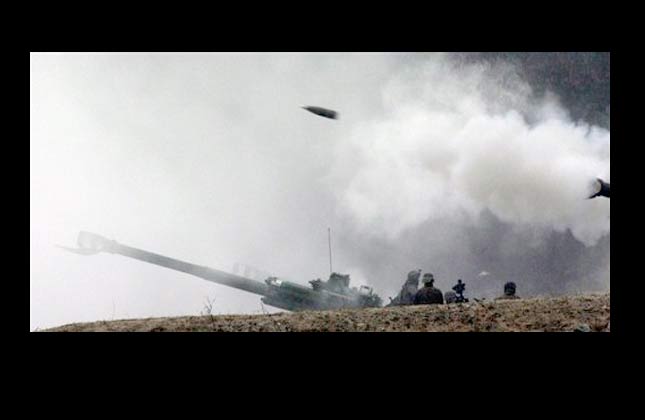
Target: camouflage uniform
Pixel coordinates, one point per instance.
(428, 294)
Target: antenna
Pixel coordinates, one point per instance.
(329, 237)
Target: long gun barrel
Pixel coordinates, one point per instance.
(332, 294)
(91, 243)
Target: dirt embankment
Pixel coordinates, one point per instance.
(572, 313)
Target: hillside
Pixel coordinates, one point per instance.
(585, 313)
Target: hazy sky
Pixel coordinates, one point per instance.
(208, 158)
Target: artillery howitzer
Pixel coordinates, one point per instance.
(322, 295)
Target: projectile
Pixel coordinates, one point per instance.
(323, 112)
(603, 189)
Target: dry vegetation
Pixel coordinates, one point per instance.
(571, 313)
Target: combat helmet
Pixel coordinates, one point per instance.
(510, 288)
(450, 297)
(428, 278)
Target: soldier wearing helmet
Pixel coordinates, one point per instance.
(509, 292)
(450, 296)
(428, 294)
(408, 291)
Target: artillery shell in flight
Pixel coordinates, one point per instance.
(323, 112)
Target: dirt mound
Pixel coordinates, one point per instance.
(572, 313)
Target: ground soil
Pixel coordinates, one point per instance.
(588, 313)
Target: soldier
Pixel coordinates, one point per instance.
(409, 289)
(459, 290)
(450, 297)
(428, 294)
(509, 292)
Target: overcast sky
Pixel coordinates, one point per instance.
(209, 158)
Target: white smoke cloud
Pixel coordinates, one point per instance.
(458, 140)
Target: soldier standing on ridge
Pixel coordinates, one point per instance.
(428, 294)
(459, 290)
(509, 292)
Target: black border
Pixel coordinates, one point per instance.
(371, 351)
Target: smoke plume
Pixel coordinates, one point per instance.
(470, 171)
